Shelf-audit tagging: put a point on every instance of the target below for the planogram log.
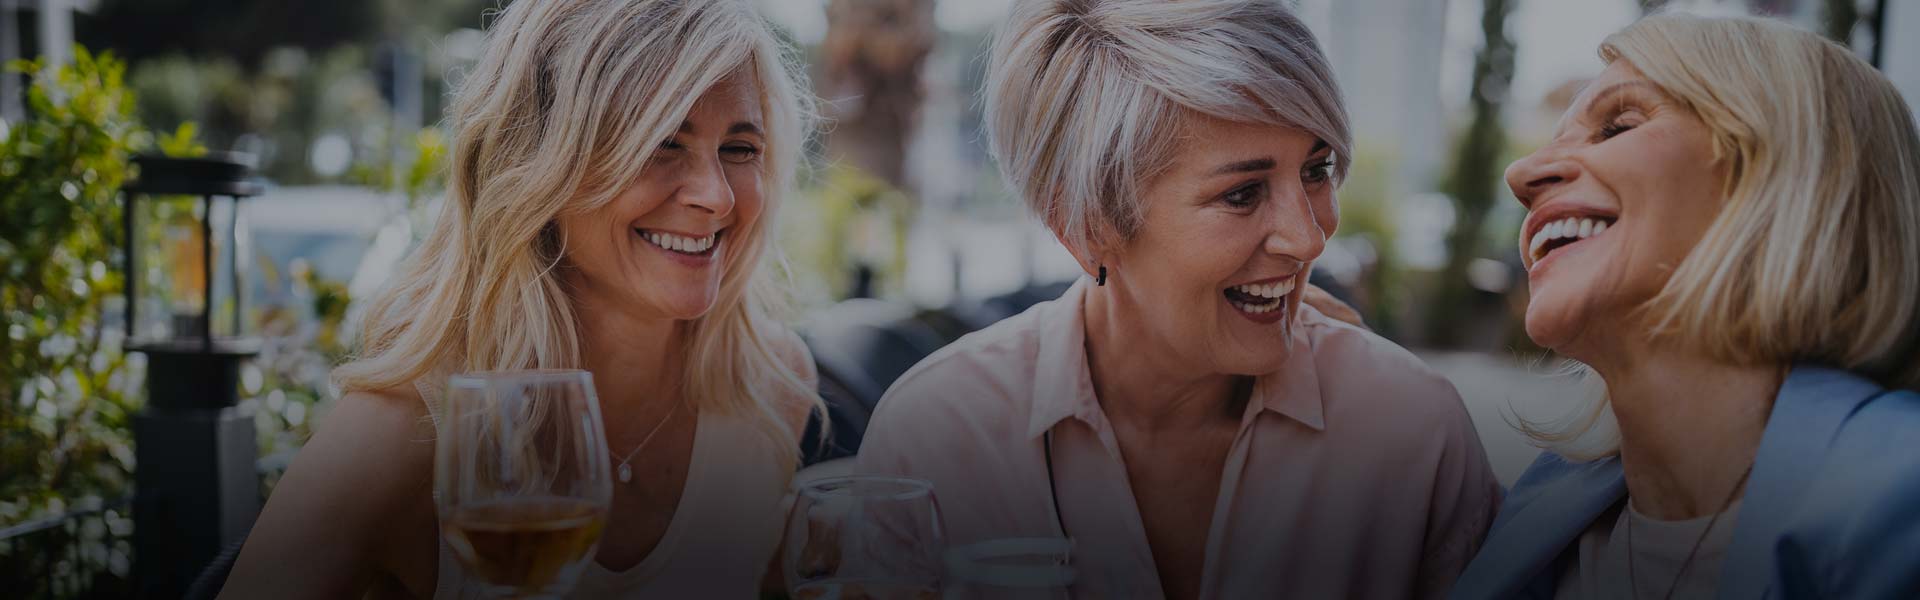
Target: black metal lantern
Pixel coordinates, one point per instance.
(196, 490)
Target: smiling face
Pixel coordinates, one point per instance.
(1625, 190)
(1231, 227)
(659, 247)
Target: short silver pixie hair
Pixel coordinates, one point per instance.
(1085, 98)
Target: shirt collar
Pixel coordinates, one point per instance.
(1063, 386)
(1294, 390)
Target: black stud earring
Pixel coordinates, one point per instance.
(1102, 280)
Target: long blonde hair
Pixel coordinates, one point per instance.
(1816, 255)
(566, 103)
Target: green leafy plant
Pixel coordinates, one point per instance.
(66, 390)
(848, 219)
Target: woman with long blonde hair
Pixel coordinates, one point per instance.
(616, 166)
(1726, 230)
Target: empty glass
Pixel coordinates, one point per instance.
(1012, 569)
(864, 537)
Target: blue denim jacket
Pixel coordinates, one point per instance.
(1832, 509)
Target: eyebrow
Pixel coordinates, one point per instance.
(1617, 87)
(1255, 165)
(1246, 166)
(736, 128)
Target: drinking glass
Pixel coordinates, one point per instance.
(521, 479)
(864, 537)
(1011, 569)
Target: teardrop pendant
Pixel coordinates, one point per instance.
(626, 473)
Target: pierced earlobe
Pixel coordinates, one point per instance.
(1102, 280)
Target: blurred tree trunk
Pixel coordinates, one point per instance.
(1476, 173)
(1839, 17)
(870, 80)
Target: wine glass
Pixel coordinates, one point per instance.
(864, 537)
(1011, 569)
(521, 479)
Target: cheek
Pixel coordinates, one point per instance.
(586, 238)
(748, 200)
(1326, 212)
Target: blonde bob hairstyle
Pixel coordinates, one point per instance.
(567, 102)
(1815, 256)
(1086, 99)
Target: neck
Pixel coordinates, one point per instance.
(635, 360)
(1689, 427)
(1138, 382)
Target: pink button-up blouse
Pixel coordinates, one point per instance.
(1356, 472)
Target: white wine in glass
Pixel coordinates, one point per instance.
(521, 479)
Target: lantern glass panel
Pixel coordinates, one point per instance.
(176, 266)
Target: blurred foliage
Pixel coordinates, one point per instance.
(1366, 213)
(417, 176)
(847, 225)
(1475, 177)
(274, 111)
(272, 78)
(67, 392)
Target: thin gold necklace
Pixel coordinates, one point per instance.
(1634, 581)
(625, 470)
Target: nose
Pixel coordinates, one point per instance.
(1536, 173)
(1297, 231)
(706, 188)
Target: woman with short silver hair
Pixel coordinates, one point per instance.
(1180, 414)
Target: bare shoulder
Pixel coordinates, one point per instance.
(373, 437)
(354, 508)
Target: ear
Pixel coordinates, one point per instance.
(1095, 252)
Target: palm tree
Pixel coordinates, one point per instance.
(870, 80)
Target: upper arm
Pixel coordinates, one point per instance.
(798, 360)
(1465, 500)
(349, 510)
(1371, 377)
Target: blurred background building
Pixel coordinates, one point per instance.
(905, 235)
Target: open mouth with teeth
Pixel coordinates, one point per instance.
(1260, 299)
(680, 244)
(1566, 232)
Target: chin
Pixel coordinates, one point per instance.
(1549, 326)
(686, 306)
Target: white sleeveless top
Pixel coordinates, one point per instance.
(724, 531)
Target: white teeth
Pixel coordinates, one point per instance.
(1273, 290)
(1570, 228)
(681, 244)
(1274, 296)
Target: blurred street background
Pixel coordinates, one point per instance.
(903, 237)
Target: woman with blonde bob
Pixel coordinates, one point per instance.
(616, 164)
(1726, 229)
(1179, 414)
